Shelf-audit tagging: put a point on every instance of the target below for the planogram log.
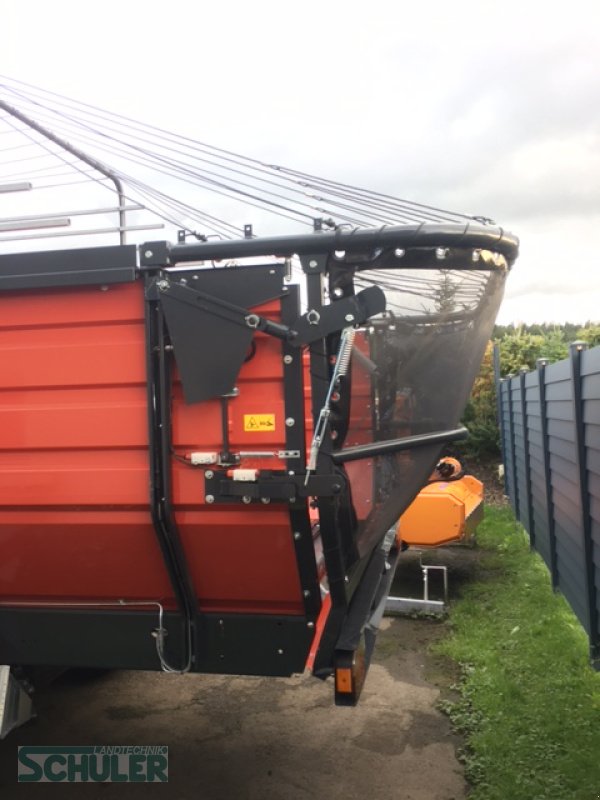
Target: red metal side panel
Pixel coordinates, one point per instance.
(74, 484)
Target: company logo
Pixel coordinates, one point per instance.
(103, 764)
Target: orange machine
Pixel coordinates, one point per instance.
(446, 510)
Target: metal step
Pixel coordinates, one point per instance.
(16, 707)
(411, 605)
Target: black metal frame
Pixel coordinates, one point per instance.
(64, 268)
(243, 644)
(159, 452)
(372, 245)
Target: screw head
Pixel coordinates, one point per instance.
(148, 253)
(290, 422)
(349, 317)
(209, 474)
(306, 593)
(297, 535)
(209, 498)
(310, 624)
(312, 263)
(246, 499)
(287, 359)
(265, 500)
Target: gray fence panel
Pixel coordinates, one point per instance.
(561, 371)
(550, 433)
(556, 392)
(590, 361)
(561, 430)
(591, 413)
(590, 389)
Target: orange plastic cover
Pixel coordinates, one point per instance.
(442, 512)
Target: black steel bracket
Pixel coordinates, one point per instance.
(308, 328)
(320, 322)
(219, 487)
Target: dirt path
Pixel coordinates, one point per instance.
(263, 739)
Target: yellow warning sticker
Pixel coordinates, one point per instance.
(257, 423)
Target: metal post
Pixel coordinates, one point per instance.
(541, 365)
(576, 349)
(511, 441)
(499, 412)
(528, 500)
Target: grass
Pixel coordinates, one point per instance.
(528, 702)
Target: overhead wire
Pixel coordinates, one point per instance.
(403, 210)
(138, 150)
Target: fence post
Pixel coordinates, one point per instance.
(541, 365)
(500, 413)
(576, 348)
(528, 502)
(513, 454)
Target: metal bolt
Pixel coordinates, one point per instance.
(183, 281)
(349, 317)
(209, 474)
(246, 499)
(162, 285)
(310, 624)
(280, 652)
(265, 500)
(287, 359)
(311, 263)
(292, 499)
(209, 498)
(297, 535)
(290, 422)
(148, 254)
(306, 593)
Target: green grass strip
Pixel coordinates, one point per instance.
(529, 702)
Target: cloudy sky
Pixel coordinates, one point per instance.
(487, 108)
